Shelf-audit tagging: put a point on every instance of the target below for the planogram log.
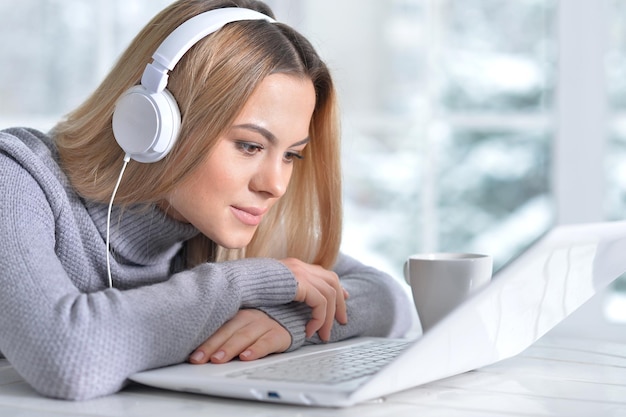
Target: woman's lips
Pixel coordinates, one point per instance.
(250, 216)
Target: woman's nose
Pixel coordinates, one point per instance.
(272, 178)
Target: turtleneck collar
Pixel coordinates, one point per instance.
(141, 235)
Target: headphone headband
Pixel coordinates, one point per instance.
(146, 120)
(187, 35)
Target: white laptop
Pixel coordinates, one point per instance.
(525, 299)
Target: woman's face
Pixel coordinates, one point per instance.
(251, 165)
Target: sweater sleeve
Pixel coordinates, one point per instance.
(73, 344)
(378, 305)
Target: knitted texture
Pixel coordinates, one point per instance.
(72, 337)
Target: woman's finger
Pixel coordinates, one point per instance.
(314, 299)
(202, 354)
(321, 290)
(274, 340)
(213, 348)
(251, 334)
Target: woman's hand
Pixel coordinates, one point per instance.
(321, 290)
(251, 334)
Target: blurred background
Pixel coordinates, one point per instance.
(468, 125)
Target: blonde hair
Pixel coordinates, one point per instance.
(211, 83)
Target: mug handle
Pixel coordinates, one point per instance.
(407, 272)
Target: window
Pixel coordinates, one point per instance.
(616, 82)
(56, 52)
(466, 123)
(615, 307)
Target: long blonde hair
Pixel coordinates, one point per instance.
(211, 84)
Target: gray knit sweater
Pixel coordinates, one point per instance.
(72, 337)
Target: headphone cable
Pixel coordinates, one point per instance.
(119, 180)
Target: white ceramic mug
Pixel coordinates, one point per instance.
(442, 281)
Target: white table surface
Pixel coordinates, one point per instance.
(555, 377)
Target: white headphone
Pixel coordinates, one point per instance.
(146, 119)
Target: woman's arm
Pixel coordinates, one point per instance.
(378, 305)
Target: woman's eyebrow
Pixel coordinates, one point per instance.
(267, 134)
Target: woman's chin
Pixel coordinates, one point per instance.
(233, 243)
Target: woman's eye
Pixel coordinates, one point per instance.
(249, 148)
(291, 156)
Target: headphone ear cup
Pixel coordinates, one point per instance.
(146, 125)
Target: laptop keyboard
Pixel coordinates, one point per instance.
(338, 365)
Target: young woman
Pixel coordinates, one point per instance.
(226, 246)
